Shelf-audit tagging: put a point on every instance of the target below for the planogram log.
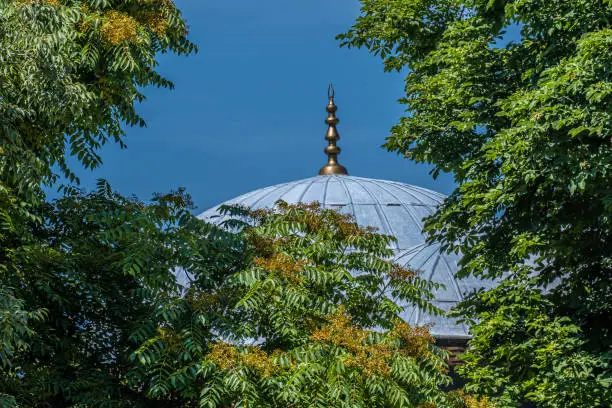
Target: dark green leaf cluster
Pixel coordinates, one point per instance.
(525, 127)
(97, 275)
(522, 351)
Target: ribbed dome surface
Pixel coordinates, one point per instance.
(394, 208)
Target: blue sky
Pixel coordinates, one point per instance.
(248, 109)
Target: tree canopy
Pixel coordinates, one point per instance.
(293, 325)
(93, 274)
(524, 127)
(71, 73)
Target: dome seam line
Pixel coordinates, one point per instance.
(325, 191)
(312, 181)
(419, 223)
(264, 195)
(350, 198)
(453, 278)
(381, 214)
(405, 190)
(408, 251)
(423, 191)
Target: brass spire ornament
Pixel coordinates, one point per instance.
(332, 136)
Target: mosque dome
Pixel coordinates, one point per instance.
(394, 208)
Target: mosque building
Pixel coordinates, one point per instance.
(393, 208)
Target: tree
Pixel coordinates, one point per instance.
(291, 325)
(71, 73)
(524, 127)
(100, 268)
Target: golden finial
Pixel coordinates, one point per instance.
(332, 136)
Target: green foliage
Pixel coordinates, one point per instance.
(522, 350)
(272, 315)
(14, 326)
(290, 325)
(525, 129)
(71, 73)
(104, 270)
(76, 275)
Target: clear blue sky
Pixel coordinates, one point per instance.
(248, 109)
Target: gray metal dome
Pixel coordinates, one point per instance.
(393, 208)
